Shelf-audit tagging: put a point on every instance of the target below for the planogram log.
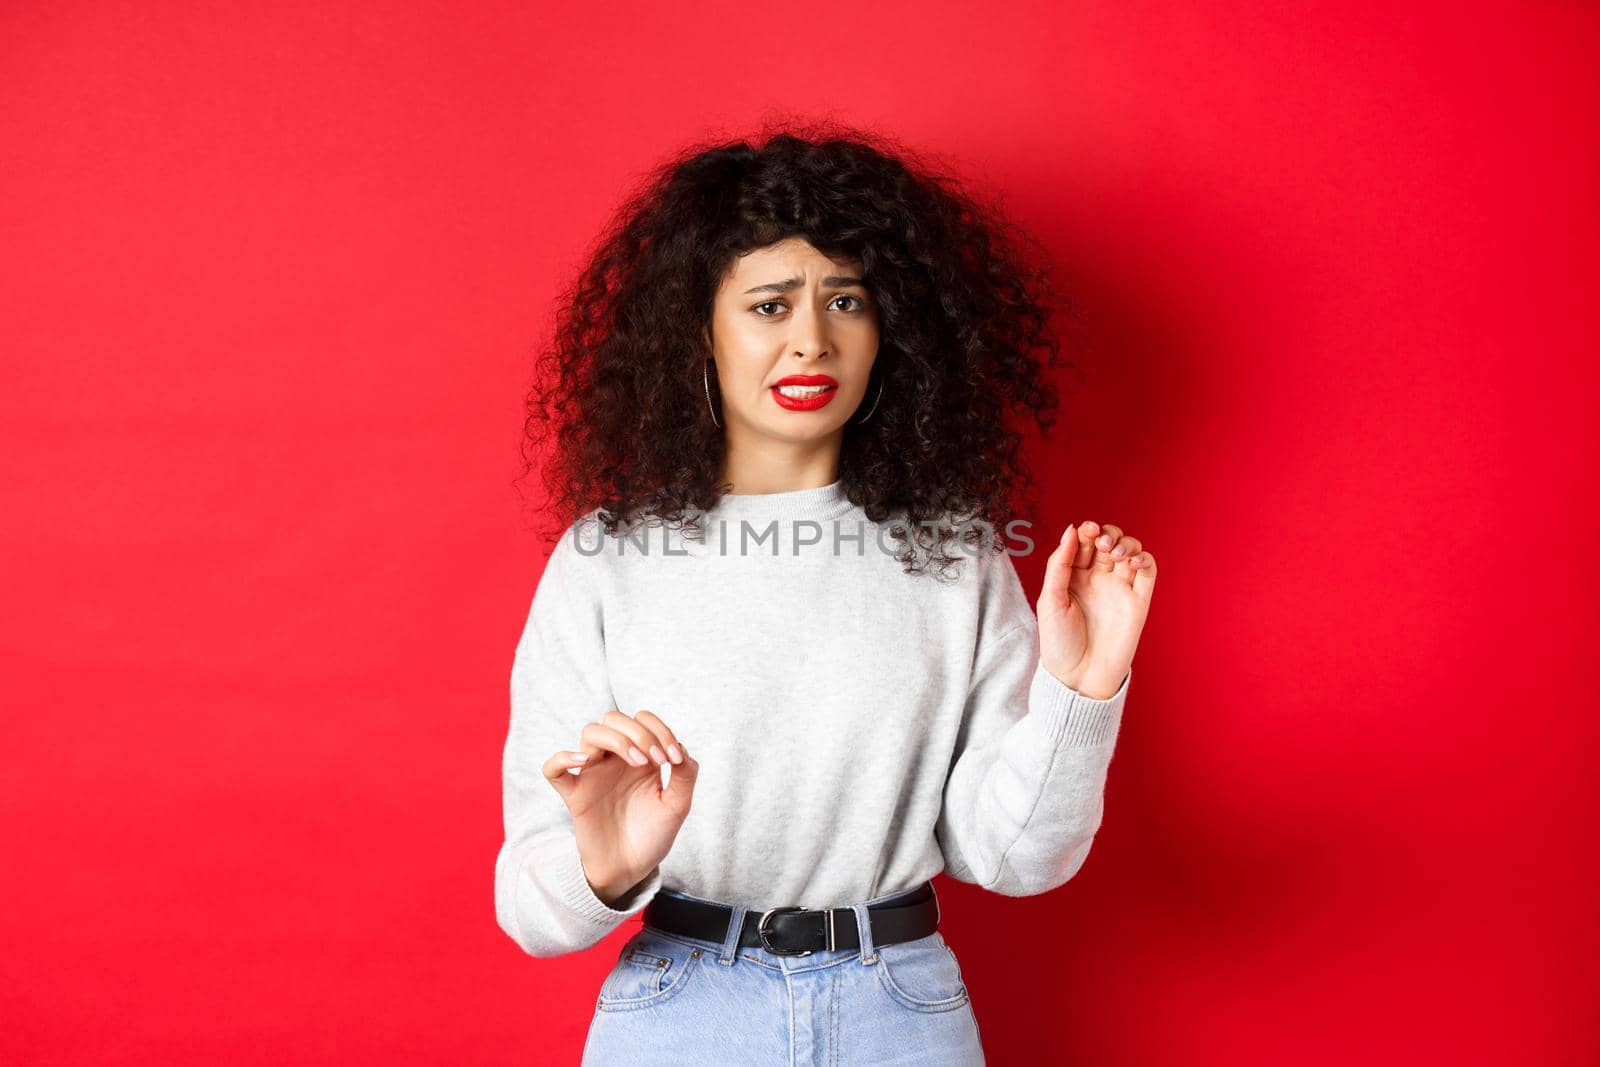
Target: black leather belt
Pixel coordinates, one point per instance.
(797, 931)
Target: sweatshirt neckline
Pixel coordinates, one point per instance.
(819, 502)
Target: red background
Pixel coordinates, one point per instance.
(271, 279)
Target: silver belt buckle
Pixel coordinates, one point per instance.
(761, 931)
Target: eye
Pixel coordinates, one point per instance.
(860, 305)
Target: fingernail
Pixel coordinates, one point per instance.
(580, 757)
(657, 755)
(635, 755)
(677, 756)
(1121, 550)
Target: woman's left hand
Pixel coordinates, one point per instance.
(1096, 596)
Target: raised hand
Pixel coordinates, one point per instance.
(624, 820)
(1092, 608)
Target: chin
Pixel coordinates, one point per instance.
(816, 430)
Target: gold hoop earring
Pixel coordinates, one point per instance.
(874, 406)
(705, 377)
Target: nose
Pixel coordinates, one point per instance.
(810, 336)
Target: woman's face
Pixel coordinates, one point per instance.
(787, 312)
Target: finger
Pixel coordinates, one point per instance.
(1058, 568)
(1109, 536)
(664, 735)
(609, 739)
(592, 749)
(1085, 555)
(557, 771)
(644, 739)
(1144, 574)
(681, 780)
(1126, 548)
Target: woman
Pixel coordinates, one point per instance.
(784, 403)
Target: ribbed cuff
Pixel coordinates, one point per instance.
(1070, 718)
(557, 856)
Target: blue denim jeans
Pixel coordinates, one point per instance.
(676, 1001)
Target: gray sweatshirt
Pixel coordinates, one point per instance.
(859, 729)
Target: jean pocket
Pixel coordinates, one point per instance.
(923, 974)
(650, 969)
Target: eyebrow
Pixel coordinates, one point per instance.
(832, 281)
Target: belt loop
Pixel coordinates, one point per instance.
(869, 954)
(730, 943)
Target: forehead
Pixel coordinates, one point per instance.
(791, 257)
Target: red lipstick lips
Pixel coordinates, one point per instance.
(813, 398)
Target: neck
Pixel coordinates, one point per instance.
(765, 470)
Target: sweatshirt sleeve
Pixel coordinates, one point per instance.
(543, 900)
(1025, 792)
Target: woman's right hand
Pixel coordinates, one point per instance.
(625, 822)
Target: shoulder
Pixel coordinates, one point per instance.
(584, 538)
(570, 566)
(1002, 601)
(985, 561)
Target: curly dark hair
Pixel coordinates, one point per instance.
(963, 322)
